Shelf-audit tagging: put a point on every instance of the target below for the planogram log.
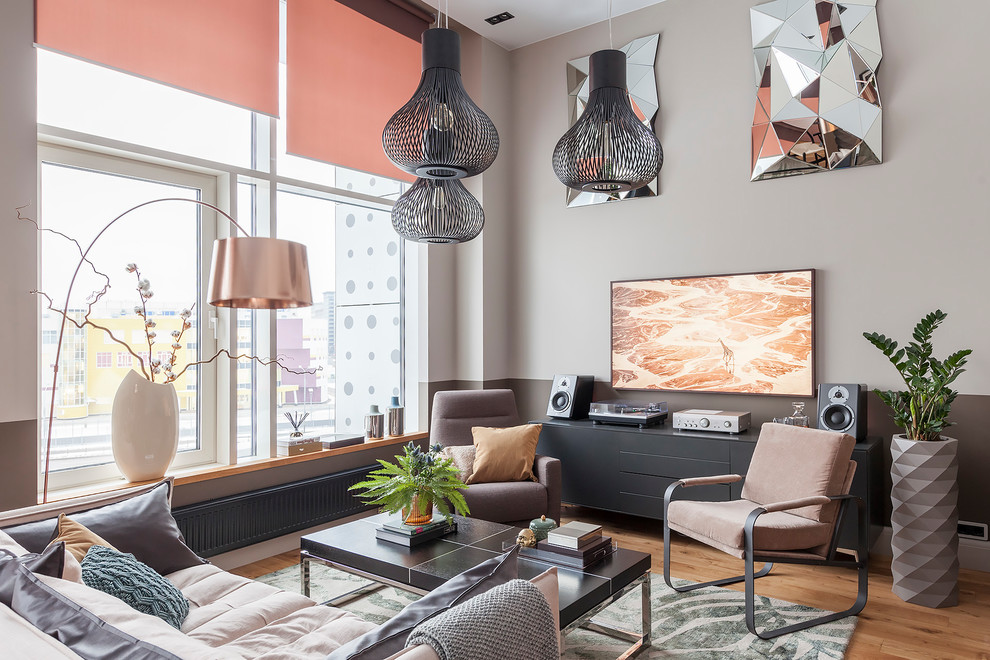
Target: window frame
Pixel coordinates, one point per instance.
(60, 154)
(218, 421)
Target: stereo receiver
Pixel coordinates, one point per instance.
(719, 421)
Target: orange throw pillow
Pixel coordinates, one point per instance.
(78, 539)
(504, 454)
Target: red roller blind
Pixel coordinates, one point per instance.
(347, 74)
(224, 49)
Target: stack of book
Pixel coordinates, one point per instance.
(576, 545)
(412, 535)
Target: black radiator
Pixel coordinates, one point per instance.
(228, 523)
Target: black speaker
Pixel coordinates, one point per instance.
(842, 407)
(570, 396)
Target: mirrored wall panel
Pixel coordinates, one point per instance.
(817, 100)
(641, 77)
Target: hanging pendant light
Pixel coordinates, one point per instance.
(440, 133)
(438, 211)
(608, 149)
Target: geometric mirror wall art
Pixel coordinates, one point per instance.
(641, 80)
(817, 99)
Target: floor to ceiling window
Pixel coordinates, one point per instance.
(109, 141)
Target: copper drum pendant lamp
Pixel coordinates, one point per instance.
(440, 135)
(608, 149)
(259, 273)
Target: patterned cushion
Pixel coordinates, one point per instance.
(120, 574)
(463, 457)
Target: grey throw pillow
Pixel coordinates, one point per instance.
(142, 525)
(51, 562)
(121, 575)
(390, 637)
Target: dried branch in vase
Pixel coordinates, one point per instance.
(163, 369)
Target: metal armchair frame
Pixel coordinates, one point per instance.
(860, 562)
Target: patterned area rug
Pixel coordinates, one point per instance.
(704, 624)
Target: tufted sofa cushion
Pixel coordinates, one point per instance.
(254, 619)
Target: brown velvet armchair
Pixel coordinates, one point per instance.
(514, 503)
(794, 497)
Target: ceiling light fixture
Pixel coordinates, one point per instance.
(440, 134)
(499, 18)
(608, 149)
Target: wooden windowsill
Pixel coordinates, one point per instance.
(200, 473)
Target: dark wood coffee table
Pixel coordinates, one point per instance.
(353, 548)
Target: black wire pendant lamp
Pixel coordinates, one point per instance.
(438, 211)
(608, 149)
(440, 135)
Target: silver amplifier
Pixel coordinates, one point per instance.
(719, 421)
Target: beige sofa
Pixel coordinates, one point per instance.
(229, 616)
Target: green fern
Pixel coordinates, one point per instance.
(923, 408)
(426, 474)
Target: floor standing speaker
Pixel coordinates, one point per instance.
(842, 407)
(570, 396)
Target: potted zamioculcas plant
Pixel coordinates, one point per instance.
(418, 481)
(924, 468)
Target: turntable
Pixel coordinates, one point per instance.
(629, 413)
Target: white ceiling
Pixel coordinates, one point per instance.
(535, 20)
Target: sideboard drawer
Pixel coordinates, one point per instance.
(643, 484)
(684, 447)
(670, 466)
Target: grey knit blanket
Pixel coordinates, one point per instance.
(510, 622)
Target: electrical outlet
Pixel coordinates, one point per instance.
(972, 530)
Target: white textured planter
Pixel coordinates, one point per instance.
(145, 427)
(925, 518)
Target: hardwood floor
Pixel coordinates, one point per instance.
(888, 628)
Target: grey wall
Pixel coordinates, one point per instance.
(890, 242)
(19, 257)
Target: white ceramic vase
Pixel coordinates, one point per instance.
(144, 427)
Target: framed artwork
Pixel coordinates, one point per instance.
(747, 333)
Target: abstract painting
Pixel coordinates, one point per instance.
(749, 333)
(817, 98)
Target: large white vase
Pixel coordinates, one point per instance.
(145, 427)
(924, 520)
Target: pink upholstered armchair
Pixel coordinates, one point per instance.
(514, 503)
(794, 497)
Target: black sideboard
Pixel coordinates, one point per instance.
(627, 469)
